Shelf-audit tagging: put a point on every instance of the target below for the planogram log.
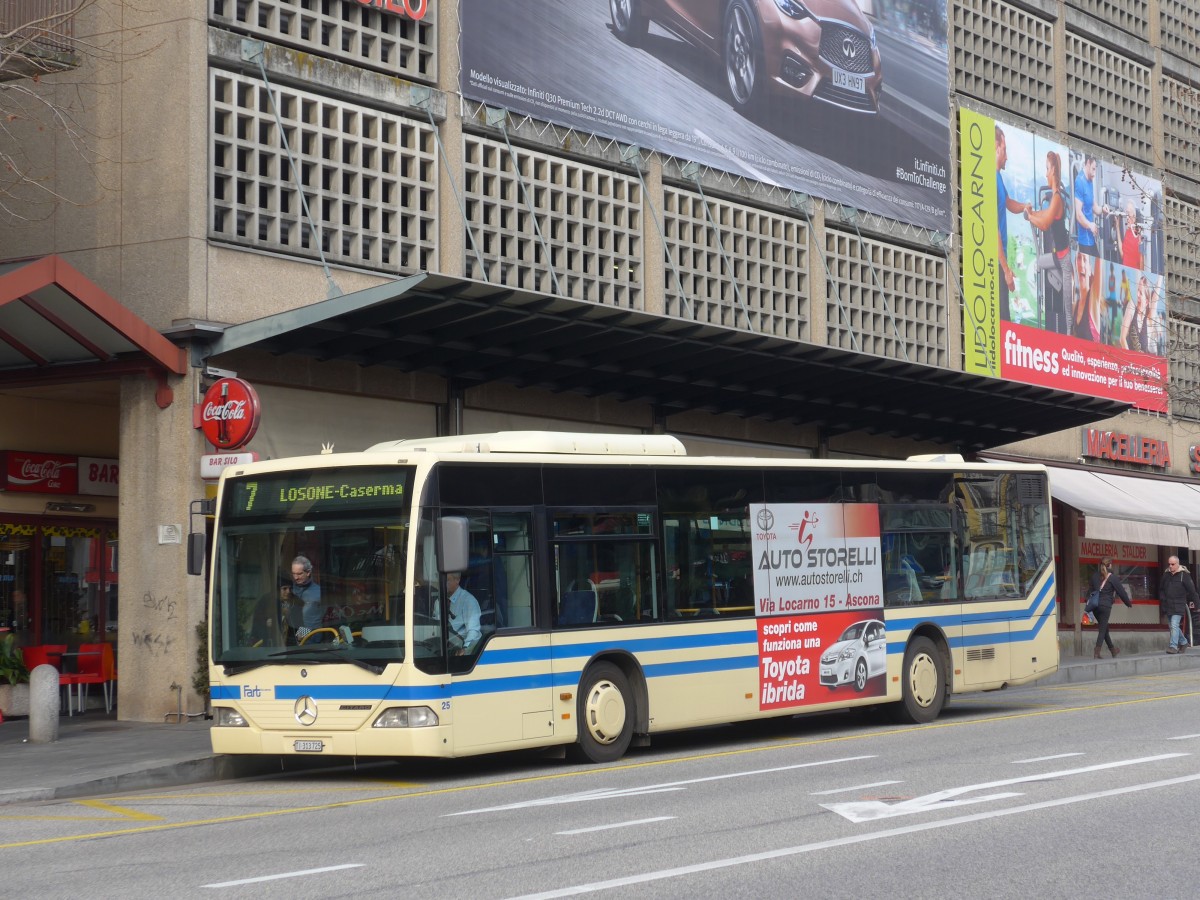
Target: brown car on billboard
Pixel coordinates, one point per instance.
(822, 49)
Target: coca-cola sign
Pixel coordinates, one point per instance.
(229, 414)
(41, 473)
(413, 9)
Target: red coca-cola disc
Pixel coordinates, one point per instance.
(229, 413)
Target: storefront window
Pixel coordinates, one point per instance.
(15, 611)
(1136, 565)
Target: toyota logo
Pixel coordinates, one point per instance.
(849, 50)
(305, 710)
(766, 519)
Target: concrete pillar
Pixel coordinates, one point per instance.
(44, 704)
(159, 603)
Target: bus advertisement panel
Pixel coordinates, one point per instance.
(818, 591)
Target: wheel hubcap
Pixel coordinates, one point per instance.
(740, 56)
(922, 680)
(620, 11)
(605, 712)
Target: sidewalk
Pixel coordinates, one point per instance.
(96, 755)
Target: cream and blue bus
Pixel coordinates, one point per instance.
(491, 592)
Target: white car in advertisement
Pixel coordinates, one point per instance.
(858, 655)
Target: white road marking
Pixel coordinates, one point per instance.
(857, 787)
(605, 794)
(870, 810)
(299, 874)
(617, 825)
(1018, 762)
(664, 874)
(1184, 737)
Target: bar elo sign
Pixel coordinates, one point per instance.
(229, 414)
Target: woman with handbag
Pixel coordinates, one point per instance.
(1106, 585)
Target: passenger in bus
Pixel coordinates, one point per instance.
(308, 593)
(268, 625)
(465, 632)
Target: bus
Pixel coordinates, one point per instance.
(618, 588)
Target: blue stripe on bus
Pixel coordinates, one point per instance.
(1037, 619)
(1045, 598)
(747, 635)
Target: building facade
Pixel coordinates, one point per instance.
(398, 219)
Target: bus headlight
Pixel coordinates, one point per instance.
(406, 717)
(224, 716)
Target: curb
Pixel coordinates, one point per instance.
(194, 771)
(1101, 669)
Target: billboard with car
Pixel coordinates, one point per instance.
(815, 96)
(1064, 280)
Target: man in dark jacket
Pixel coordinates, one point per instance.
(1176, 598)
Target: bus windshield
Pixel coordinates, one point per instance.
(310, 567)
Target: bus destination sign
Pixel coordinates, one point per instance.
(293, 494)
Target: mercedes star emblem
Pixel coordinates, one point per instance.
(305, 710)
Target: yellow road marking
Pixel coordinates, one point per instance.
(343, 804)
(121, 811)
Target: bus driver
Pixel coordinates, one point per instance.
(464, 615)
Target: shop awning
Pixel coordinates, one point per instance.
(1130, 509)
(476, 333)
(59, 327)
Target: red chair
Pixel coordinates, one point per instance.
(96, 666)
(51, 655)
(44, 654)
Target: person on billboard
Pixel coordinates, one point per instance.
(1088, 302)
(1176, 599)
(1055, 260)
(1131, 241)
(1005, 204)
(1135, 326)
(1086, 208)
(1109, 586)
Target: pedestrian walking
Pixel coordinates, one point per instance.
(1176, 599)
(1109, 586)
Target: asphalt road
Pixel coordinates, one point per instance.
(572, 69)
(1063, 791)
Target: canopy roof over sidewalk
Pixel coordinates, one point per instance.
(59, 327)
(1131, 509)
(475, 333)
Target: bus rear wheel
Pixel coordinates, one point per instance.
(605, 711)
(923, 678)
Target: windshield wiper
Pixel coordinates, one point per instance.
(239, 668)
(314, 654)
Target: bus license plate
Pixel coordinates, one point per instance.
(843, 79)
(309, 746)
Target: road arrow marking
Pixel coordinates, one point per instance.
(873, 810)
(608, 794)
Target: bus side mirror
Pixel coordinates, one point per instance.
(197, 540)
(195, 551)
(452, 547)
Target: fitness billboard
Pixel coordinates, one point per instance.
(1063, 266)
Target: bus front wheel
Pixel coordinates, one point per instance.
(606, 712)
(923, 680)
